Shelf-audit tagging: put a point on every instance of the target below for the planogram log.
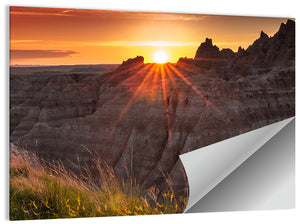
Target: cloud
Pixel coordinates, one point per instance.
(18, 54)
(37, 11)
(104, 14)
(24, 41)
(142, 43)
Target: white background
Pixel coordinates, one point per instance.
(277, 8)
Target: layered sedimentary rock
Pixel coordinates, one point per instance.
(208, 51)
(138, 60)
(278, 50)
(140, 117)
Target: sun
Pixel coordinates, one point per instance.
(160, 56)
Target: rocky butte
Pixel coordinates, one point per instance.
(129, 120)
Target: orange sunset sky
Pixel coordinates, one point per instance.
(57, 36)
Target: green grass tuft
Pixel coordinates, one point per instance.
(44, 191)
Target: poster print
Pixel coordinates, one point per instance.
(102, 103)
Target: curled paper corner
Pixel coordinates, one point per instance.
(208, 166)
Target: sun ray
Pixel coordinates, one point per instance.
(163, 83)
(187, 67)
(128, 105)
(152, 83)
(202, 96)
(154, 80)
(124, 70)
(115, 73)
(147, 77)
(164, 87)
(147, 66)
(170, 75)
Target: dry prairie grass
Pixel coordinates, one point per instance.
(39, 190)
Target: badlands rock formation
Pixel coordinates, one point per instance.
(140, 117)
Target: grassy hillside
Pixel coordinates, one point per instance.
(39, 190)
